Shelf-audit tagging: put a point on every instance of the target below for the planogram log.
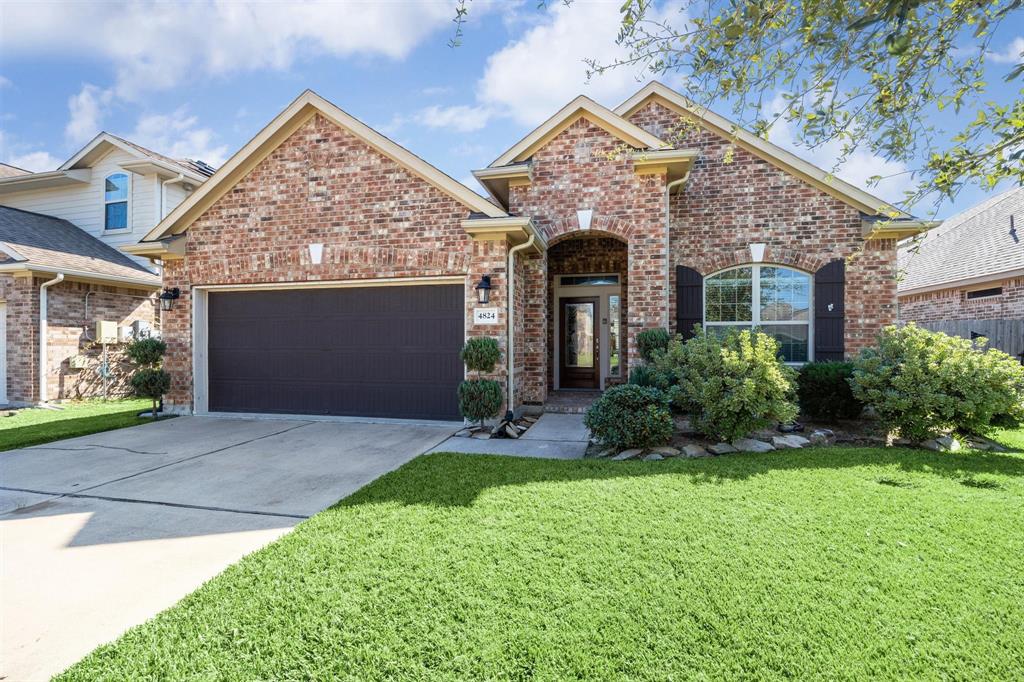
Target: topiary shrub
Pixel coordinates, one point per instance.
(480, 354)
(649, 341)
(646, 375)
(824, 391)
(150, 381)
(730, 384)
(630, 416)
(480, 399)
(921, 383)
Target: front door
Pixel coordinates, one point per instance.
(579, 343)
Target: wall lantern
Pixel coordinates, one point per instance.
(483, 289)
(168, 298)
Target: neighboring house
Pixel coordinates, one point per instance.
(972, 268)
(9, 171)
(61, 269)
(326, 270)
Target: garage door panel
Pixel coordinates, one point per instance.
(384, 351)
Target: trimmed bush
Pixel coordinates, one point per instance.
(645, 375)
(824, 391)
(480, 354)
(730, 384)
(921, 383)
(146, 352)
(630, 416)
(650, 341)
(480, 399)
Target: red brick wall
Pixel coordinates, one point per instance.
(728, 204)
(953, 304)
(70, 328)
(323, 185)
(583, 168)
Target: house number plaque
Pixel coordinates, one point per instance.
(485, 316)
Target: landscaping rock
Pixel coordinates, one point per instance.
(942, 444)
(694, 450)
(653, 457)
(791, 427)
(511, 431)
(628, 454)
(721, 448)
(607, 452)
(683, 426)
(666, 451)
(789, 441)
(464, 433)
(751, 445)
(482, 435)
(822, 437)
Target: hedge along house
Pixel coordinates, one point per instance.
(326, 270)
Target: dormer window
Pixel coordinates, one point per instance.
(115, 202)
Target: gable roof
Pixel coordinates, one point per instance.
(277, 131)
(103, 142)
(864, 201)
(34, 241)
(581, 107)
(973, 246)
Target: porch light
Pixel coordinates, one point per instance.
(168, 298)
(483, 289)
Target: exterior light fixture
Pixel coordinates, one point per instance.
(168, 298)
(483, 289)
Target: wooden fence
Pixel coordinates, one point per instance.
(1006, 335)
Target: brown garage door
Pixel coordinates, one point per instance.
(390, 351)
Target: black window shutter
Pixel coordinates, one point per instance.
(830, 311)
(689, 300)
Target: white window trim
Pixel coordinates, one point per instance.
(755, 277)
(127, 200)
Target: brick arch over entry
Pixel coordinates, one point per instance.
(568, 227)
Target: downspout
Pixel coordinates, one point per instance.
(42, 333)
(510, 319)
(163, 193)
(668, 246)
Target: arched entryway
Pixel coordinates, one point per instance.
(587, 304)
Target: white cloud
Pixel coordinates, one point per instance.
(537, 74)
(1011, 54)
(178, 135)
(460, 118)
(86, 112)
(4, 82)
(35, 161)
(159, 45)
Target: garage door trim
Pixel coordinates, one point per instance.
(200, 326)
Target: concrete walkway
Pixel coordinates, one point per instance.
(100, 533)
(554, 436)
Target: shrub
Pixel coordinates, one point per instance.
(481, 354)
(824, 391)
(649, 341)
(149, 381)
(630, 416)
(152, 383)
(921, 383)
(649, 376)
(732, 384)
(480, 399)
(146, 352)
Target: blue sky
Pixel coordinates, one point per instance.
(200, 79)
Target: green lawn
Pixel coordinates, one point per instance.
(36, 425)
(826, 564)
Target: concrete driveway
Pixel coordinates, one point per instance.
(102, 532)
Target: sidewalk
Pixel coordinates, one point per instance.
(554, 436)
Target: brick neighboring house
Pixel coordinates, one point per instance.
(971, 268)
(61, 270)
(325, 269)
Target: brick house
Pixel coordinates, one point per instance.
(326, 270)
(61, 269)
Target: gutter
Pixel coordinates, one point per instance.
(510, 319)
(42, 333)
(144, 282)
(163, 193)
(668, 245)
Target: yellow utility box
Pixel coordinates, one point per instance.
(106, 331)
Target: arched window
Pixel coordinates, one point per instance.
(115, 202)
(771, 297)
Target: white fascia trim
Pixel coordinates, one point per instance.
(12, 252)
(964, 282)
(28, 268)
(148, 165)
(47, 179)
